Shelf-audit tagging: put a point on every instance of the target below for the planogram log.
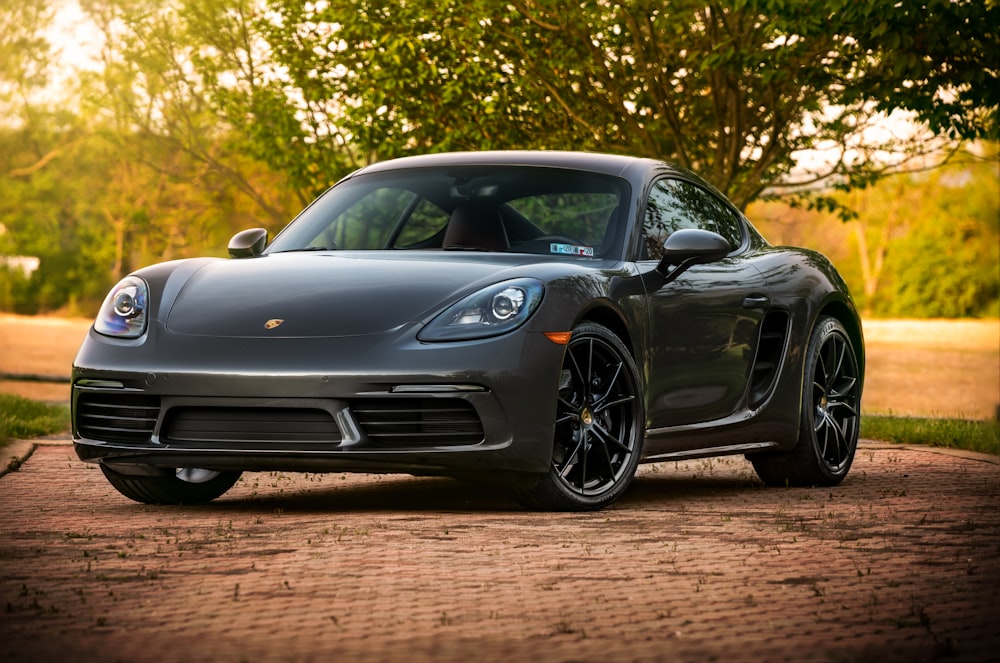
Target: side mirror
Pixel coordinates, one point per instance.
(692, 246)
(248, 243)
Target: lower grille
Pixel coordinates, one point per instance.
(116, 417)
(418, 422)
(192, 426)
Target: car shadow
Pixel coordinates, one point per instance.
(664, 490)
(386, 494)
(439, 494)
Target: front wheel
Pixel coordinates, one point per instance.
(182, 486)
(598, 427)
(830, 418)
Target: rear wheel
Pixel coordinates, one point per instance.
(182, 486)
(830, 419)
(598, 427)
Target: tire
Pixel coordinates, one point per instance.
(598, 428)
(184, 486)
(830, 415)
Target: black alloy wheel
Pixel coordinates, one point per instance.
(830, 419)
(598, 426)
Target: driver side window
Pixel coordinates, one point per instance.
(676, 204)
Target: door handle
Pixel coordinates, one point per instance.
(756, 301)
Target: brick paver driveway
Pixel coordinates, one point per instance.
(697, 563)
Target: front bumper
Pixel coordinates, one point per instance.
(381, 404)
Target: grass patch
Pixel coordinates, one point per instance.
(22, 418)
(982, 436)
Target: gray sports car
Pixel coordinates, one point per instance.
(544, 319)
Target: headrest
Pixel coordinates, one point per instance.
(476, 227)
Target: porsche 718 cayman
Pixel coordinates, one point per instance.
(545, 319)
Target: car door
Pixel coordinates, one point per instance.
(704, 324)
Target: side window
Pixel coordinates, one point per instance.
(725, 221)
(665, 214)
(675, 204)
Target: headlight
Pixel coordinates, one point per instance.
(123, 313)
(495, 310)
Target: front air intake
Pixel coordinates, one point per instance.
(116, 417)
(400, 423)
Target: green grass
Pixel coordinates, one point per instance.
(21, 418)
(982, 436)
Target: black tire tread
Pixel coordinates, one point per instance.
(169, 489)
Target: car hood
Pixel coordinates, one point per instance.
(328, 294)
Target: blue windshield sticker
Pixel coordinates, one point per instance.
(570, 250)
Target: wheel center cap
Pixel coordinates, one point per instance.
(586, 417)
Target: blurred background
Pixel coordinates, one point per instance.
(136, 131)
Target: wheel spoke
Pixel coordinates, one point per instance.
(845, 405)
(821, 437)
(840, 437)
(846, 386)
(568, 461)
(614, 403)
(607, 437)
(838, 358)
(590, 369)
(566, 411)
(581, 378)
(611, 465)
(834, 358)
(610, 385)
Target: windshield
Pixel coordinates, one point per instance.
(512, 209)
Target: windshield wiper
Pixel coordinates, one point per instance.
(307, 248)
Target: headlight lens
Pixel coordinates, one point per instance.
(123, 313)
(492, 311)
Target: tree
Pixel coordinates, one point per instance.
(25, 53)
(922, 244)
(948, 263)
(734, 90)
(187, 74)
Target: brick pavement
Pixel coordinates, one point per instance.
(697, 563)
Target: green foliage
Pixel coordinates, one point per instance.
(937, 58)
(210, 116)
(952, 252)
(945, 258)
(21, 418)
(24, 51)
(923, 245)
(732, 90)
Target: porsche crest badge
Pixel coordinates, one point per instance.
(272, 323)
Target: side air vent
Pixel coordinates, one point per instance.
(770, 349)
(246, 426)
(399, 423)
(118, 417)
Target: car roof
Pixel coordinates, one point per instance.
(627, 167)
